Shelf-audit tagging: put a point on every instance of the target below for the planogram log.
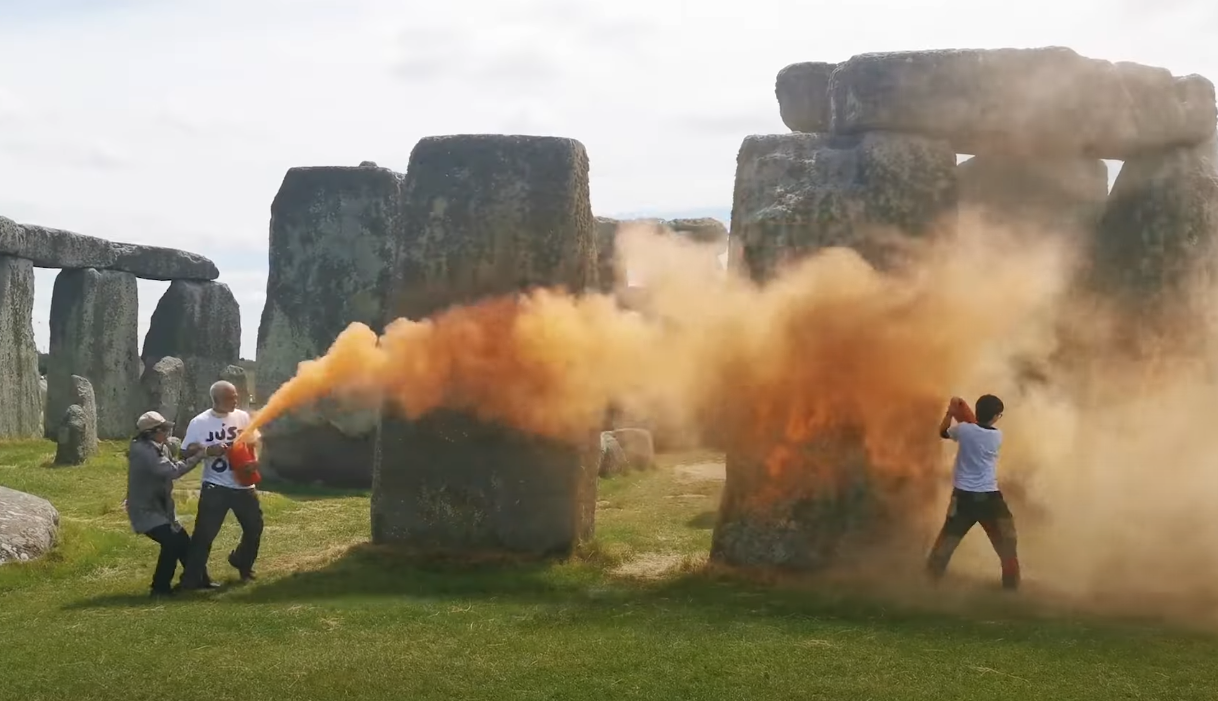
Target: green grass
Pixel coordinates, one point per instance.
(635, 615)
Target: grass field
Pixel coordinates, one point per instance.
(636, 615)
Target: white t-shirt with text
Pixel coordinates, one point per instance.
(210, 428)
(976, 468)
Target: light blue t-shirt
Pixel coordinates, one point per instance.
(976, 468)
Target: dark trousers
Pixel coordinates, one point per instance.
(175, 544)
(214, 504)
(990, 510)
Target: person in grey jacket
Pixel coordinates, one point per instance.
(151, 471)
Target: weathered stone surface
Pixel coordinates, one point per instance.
(72, 443)
(29, 526)
(76, 431)
(701, 230)
(802, 90)
(162, 387)
(332, 234)
(321, 444)
(796, 193)
(800, 502)
(449, 482)
(55, 248)
(199, 323)
(236, 375)
(42, 401)
(1062, 195)
(613, 457)
(1157, 236)
(1044, 101)
(638, 446)
(821, 506)
(609, 270)
(487, 215)
(95, 334)
(20, 399)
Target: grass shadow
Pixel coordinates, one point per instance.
(298, 491)
(704, 521)
(710, 596)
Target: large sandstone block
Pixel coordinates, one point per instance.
(802, 90)
(29, 526)
(331, 250)
(797, 193)
(1154, 252)
(55, 248)
(200, 324)
(799, 502)
(95, 334)
(20, 396)
(699, 229)
(610, 269)
(487, 215)
(162, 387)
(1044, 101)
(804, 505)
(1059, 195)
(236, 375)
(451, 483)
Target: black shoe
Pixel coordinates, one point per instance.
(162, 593)
(247, 575)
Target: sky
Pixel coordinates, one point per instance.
(172, 123)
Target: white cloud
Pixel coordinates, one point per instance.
(173, 123)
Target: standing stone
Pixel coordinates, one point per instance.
(29, 526)
(797, 193)
(95, 334)
(613, 461)
(609, 270)
(236, 375)
(72, 443)
(1156, 240)
(1045, 101)
(802, 90)
(636, 443)
(77, 428)
(611, 274)
(199, 323)
(800, 502)
(331, 249)
(162, 387)
(701, 229)
(20, 398)
(1060, 195)
(487, 215)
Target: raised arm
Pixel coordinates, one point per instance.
(945, 425)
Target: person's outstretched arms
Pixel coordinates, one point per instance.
(945, 426)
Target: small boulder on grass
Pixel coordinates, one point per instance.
(73, 446)
(638, 446)
(613, 458)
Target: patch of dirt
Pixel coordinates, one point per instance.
(703, 472)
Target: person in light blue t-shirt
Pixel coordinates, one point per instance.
(975, 494)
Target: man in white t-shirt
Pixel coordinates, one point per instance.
(221, 492)
(975, 494)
